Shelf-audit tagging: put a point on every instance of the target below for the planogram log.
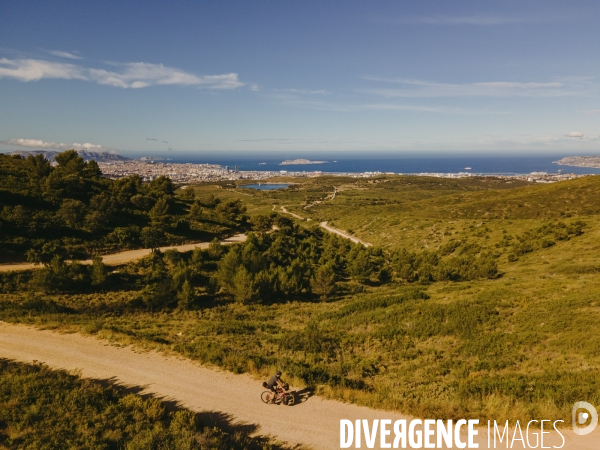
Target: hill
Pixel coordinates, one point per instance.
(479, 298)
(85, 154)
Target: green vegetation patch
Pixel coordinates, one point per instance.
(468, 305)
(70, 210)
(53, 409)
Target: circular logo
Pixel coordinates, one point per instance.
(579, 418)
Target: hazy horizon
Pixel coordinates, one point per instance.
(320, 154)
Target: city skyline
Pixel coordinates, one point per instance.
(446, 77)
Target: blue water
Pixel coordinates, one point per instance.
(484, 165)
(265, 186)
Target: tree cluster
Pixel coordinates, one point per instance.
(278, 261)
(71, 209)
(60, 276)
(292, 262)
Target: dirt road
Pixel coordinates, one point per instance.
(314, 422)
(130, 255)
(344, 234)
(285, 211)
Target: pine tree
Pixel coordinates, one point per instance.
(159, 214)
(185, 296)
(359, 266)
(243, 285)
(228, 266)
(152, 237)
(323, 282)
(215, 249)
(98, 272)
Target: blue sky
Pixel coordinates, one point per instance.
(492, 77)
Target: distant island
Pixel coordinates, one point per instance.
(580, 161)
(85, 154)
(290, 162)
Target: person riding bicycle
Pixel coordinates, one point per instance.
(273, 383)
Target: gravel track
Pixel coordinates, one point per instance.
(312, 423)
(344, 234)
(129, 255)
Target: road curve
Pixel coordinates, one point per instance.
(285, 211)
(129, 255)
(314, 423)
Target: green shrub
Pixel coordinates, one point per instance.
(42, 408)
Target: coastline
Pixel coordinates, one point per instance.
(199, 173)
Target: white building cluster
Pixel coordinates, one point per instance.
(182, 173)
(197, 173)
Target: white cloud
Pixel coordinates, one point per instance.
(133, 75)
(419, 88)
(322, 105)
(139, 75)
(515, 85)
(574, 138)
(293, 94)
(34, 70)
(308, 91)
(510, 143)
(45, 145)
(575, 134)
(416, 108)
(473, 20)
(62, 54)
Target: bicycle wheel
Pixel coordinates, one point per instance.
(266, 396)
(291, 399)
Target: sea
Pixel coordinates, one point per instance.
(337, 163)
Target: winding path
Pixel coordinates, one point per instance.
(344, 234)
(314, 423)
(285, 211)
(129, 255)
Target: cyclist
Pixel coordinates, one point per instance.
(273, 383)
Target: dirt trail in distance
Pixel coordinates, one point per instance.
(285, 211)
(129, 255)
(344, 234)
(314, 423)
